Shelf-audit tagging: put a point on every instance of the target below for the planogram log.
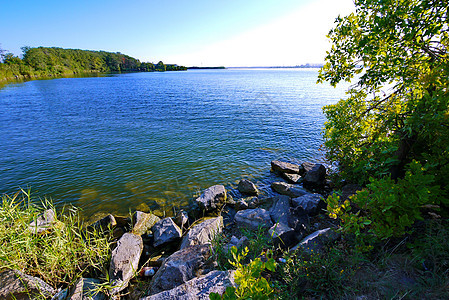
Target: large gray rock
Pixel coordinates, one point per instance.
(17, 285)
(315, 178)
(310, 203)
(198, 288)
(44, 222)
(282, 235)
(203, 233)
(143, 222)
(314, 242)
(124, 261)
(290, 190)
(212, 198)
(253, 218)
(182, 218)
(165, 231)
(247, 187)
(281, 167)
(86, 289)
(292, 178)
(280, 211)
(180, 267)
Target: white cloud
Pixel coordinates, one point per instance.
(295, 39)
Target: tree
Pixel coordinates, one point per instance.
(2, 54)
(397, 52)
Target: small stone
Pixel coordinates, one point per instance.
(165, 231)
(247, 187)
(253, 218)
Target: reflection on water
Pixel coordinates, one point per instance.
(154, 141)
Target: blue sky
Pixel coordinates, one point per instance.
(195, 32)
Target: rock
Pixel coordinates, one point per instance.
(290, 190)
(307, 166)
(310, 203)
(235, 242)
(245, 203)
(180, 267)
(299, 220)
(282, 235)
(44, 222)
(203, 233)
(212, 198)
(165, 231)
(199, 287)
(247, 187)
(124, 261)
(181, 218)
(315, 178)
(281, 167)
(143, 222)
(105, 223)
(292, 178)
(17, 285)
(314, 242)
(280, 211)
(253, 218)
(86, 288)
(241, 205)
(349, 190)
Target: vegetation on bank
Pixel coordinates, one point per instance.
(44, 62)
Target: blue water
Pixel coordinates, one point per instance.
(118, 142)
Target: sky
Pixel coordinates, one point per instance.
(204, 33)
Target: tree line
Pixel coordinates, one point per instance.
(53, 61)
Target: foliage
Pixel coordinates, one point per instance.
(60, 255)
(316, 274)
(249, 280)
(45, 61)
(386, 208)
(398, 109)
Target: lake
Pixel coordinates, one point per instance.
(154, 140)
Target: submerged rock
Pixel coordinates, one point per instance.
(124, 261)
(165, 231)
(180, 267)
(203, 233)
(199, 287)
(290, 190)
(247, 187)
(212, 198)
(253, 218)
(17, 285)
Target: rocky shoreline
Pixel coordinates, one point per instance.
(175, 256)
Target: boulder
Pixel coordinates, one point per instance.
(182, 218)
(290, 190)
(180, 267)
(315, 178)
(235, 242)
(165, 231)
(17, 285)
(253, 218)
(86, 288)
(280, 211)
(247, 187)
(124, 261)
(307, 166)
(282, 235)
(292, 178)
(280, 167)
(245, 203)
(198, 288)
(143, 222)
(348, 190)
(310, 203)
(203, 233)
(314, 242)
(105, 223)
(44, 222)
(212, 198)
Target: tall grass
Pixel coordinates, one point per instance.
(60, 255)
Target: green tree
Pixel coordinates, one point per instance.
(397, 52)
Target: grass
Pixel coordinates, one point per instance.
(59, 256)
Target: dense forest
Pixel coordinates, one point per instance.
(44, 61)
